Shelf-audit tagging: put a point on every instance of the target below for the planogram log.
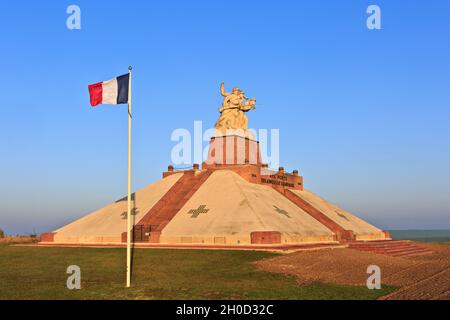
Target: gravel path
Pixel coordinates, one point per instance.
(418, 277)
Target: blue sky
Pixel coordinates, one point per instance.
(363, 114)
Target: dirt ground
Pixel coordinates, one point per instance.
(418, 277)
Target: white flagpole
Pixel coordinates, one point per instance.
(129, 227)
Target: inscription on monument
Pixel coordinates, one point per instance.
(278, 180)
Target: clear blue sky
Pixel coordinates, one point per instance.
(364, 115)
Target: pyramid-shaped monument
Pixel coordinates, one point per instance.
(233, 200)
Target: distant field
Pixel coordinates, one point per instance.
(421, 235)
(18, 240)
(40, 273)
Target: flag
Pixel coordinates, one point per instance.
(118, 91)
(114, 91)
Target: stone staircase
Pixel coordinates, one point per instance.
(394, 248)
(168, 206)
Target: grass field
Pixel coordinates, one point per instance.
(40, 273)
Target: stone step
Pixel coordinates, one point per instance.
(380, 243)
(397, 248)
(412, 253)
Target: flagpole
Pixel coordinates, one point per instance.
(129, 227)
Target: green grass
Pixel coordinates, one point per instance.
(40, 273)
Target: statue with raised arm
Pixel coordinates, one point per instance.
(231, 100)
(232, 113)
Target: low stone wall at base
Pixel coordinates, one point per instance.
(258, 237)
(255, 238)
(87, 239)
(372, 236)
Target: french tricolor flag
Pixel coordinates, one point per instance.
(114, 91)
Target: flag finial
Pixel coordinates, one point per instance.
(130, 68)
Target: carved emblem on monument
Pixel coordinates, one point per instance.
(196, 212)
(281, 211)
